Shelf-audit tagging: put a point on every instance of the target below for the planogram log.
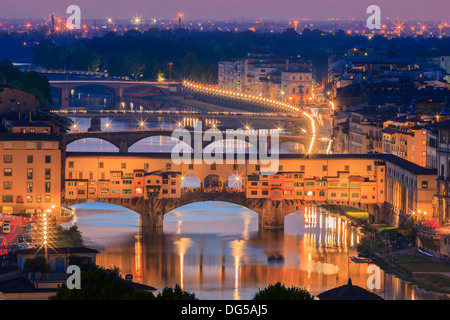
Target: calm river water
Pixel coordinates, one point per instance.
(215, 250)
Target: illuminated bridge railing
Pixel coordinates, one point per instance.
(286, 107)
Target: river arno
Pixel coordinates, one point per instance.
(215, 250)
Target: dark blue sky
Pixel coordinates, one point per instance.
(230, 9)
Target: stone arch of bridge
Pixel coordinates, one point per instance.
(152, 90)
(112, 142)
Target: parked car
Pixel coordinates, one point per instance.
(6, 228)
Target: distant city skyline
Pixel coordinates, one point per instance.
(229, 9)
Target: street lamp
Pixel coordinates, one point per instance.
(170, 71)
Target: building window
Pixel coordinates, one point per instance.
(355, 195)
(29, 173)
(257, 167)
(369, 168)
(213, 166)
(29, 186)
(47, 198)
(173, 191)
(48, 159)
(280, 168)
(29, 159)
(29, 199)
(302, 168)
(101, 165)
(424, 184)
(168, 166)
(91, 176)
(70, 164)
(47, 173)
(7, 159)
(347, 168)
(333, 195)
(7, 198)
(7, 185)
(39, 198)
(191, 166)
(235, 166)
(7, 172)
(321, 193)
(47, 187)
(123, 165)
(343, 195)
(324, 168)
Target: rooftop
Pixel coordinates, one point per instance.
(348, 292)
(21, 285)
(28, 137)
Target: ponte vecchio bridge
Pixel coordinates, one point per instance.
(152, 185)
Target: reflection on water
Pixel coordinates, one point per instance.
(216, 250)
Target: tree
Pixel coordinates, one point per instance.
(135, 65)
(188, 64)
(280, 292)
(175, 294)
(38, 264)
(31, 82)
(153, 66)
(101, 284)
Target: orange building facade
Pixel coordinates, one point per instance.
(30, 168)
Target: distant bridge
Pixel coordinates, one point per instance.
(250, 116)
(117, 88)
(123, 140)
(211, 94)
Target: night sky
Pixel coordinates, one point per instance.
(228, 9)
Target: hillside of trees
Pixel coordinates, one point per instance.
(31, 82)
